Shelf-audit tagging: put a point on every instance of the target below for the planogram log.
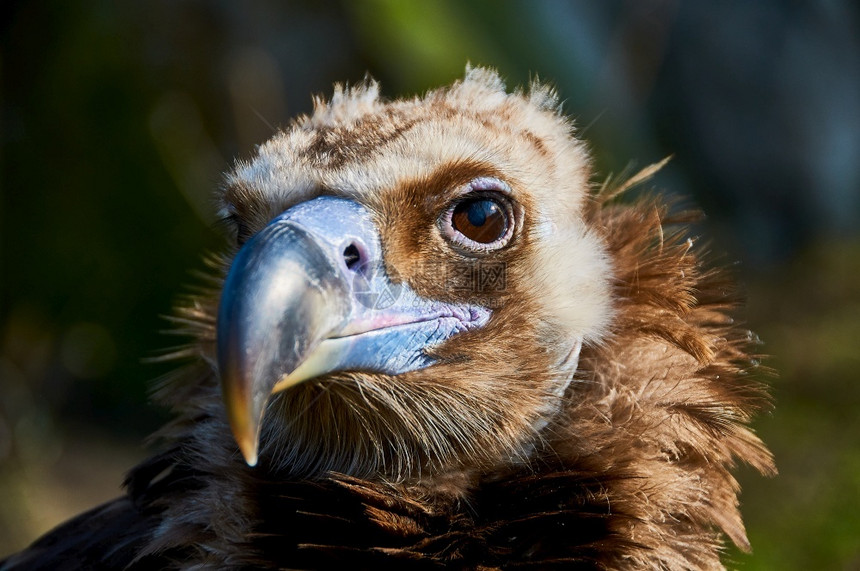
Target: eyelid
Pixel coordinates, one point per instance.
(488, 184)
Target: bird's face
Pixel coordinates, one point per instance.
(412, 285)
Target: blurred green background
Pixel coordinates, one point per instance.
(118, 119)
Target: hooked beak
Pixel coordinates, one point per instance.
(308, 295)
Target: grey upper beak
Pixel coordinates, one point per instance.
(283, 294)
(304, 298)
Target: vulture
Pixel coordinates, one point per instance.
(437, 343)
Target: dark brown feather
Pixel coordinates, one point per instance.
(635, 474)
(633, 471)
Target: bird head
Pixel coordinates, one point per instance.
(412, 284)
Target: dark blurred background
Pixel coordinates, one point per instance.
(118, 119)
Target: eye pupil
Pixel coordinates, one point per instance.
(482, 220)
(479, 210)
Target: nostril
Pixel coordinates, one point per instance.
(351, 256)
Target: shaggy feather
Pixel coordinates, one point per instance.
(504, 454)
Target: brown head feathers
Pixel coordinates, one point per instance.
(592, 423)
(634, 457)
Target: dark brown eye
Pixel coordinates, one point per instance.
(480, 219)
(243, 233)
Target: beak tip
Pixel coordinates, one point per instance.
(250, 458)
(245, 425)
(248, 447)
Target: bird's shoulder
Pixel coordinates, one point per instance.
(553, 517)
(114, 534)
